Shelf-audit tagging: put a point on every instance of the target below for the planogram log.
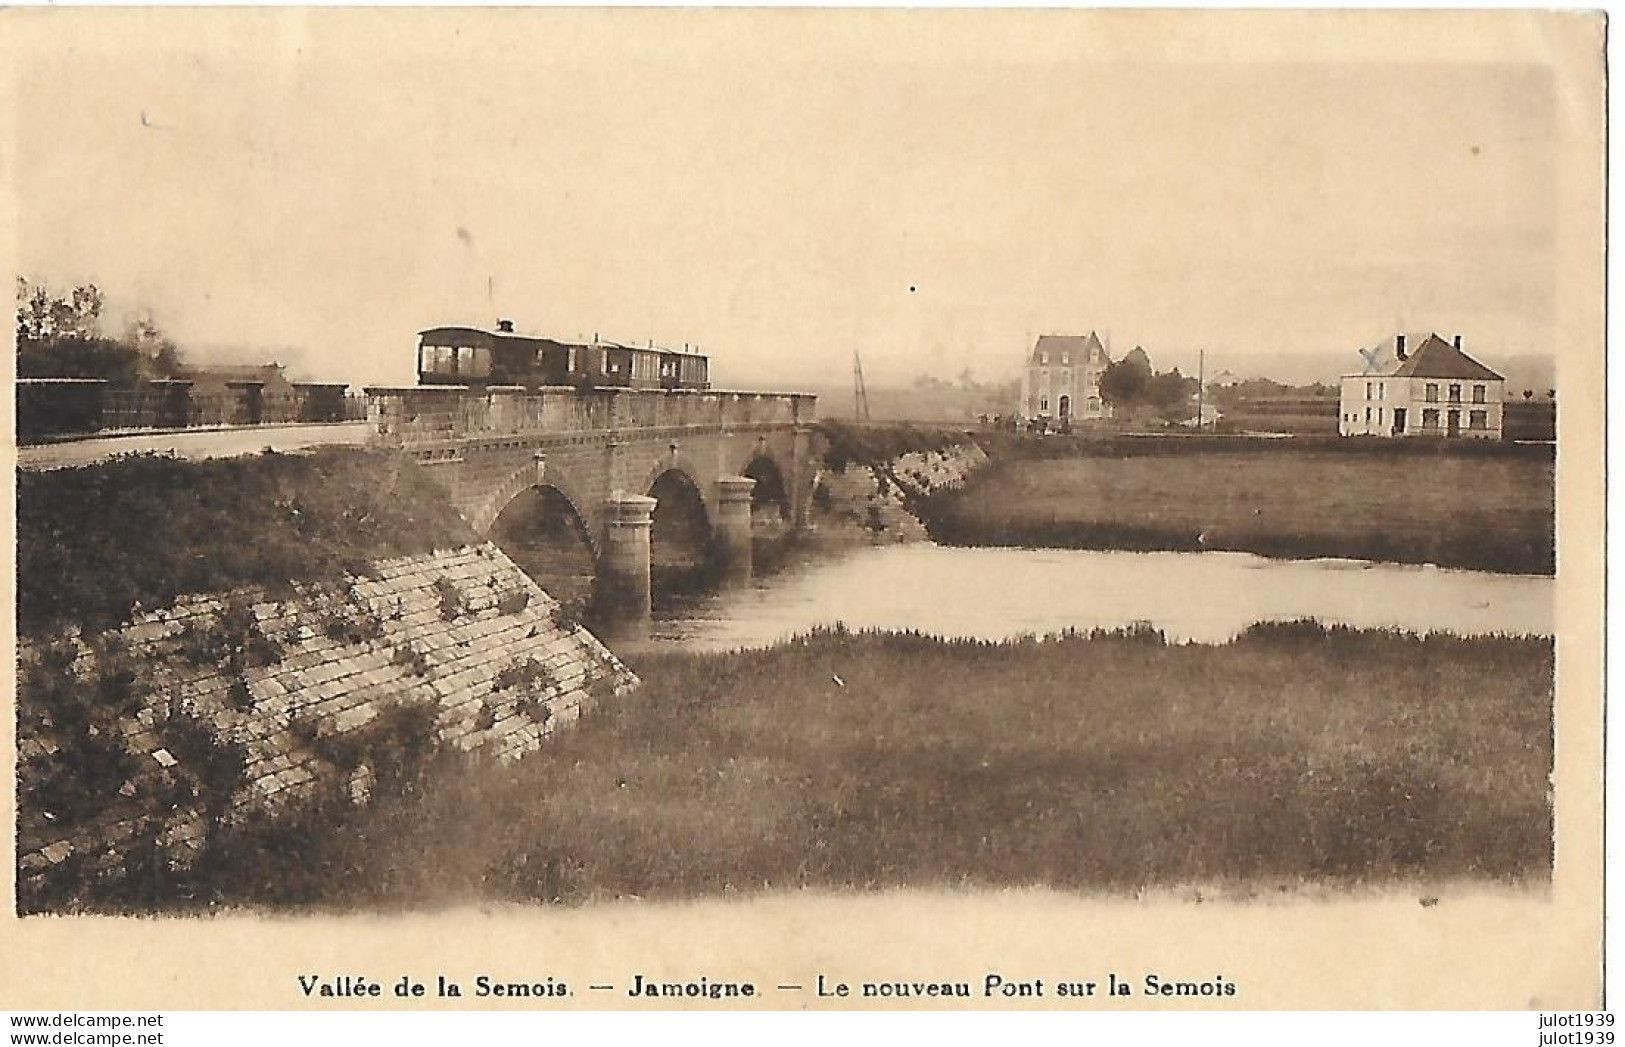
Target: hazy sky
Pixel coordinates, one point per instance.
(934, 190)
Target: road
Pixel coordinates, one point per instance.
(209, 443)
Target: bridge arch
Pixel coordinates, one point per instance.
(552, 479)
(687, 472)
(773, 492)
(680, 545)
(543, 530)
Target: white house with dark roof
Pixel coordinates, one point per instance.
(1061, 383)
(1431, 389)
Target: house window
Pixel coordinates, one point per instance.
(1379, 416)
(1382, 394)
(1433, 393)
(1430, 419)
(1066, 358)
(1043, 405)
(1043, 358)
(1368, 416)
(1478, 419)
(1478, 394)
(1455, 393)
(1368, 390)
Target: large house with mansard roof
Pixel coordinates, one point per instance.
(1061, 383)
(1429, 388)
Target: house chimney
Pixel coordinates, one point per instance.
(505, 326)
(1457, 342)
(1399, 346)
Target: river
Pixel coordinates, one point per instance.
(992, 593)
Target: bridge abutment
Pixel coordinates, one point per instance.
(730, 532)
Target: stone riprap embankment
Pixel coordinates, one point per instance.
(879, 498)
(229, 707)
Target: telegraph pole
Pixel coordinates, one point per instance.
(860, 392)
(1201, 384)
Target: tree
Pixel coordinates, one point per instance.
(41, 316)
(159, 356)
(1124, 383)
(1170, 395)
(1137, 357)
(60, 337)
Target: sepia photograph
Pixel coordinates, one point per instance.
(806, 508)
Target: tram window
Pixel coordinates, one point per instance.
(437, 359)
(473, 361)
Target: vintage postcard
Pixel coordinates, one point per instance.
(804, 509)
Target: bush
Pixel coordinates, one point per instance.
(453, 605)
(239, 694)
(532, 680)
(399, 745)
(232, 637)
(514, 600)
(876, 445)
(412, 658)
(119, 688)
(535, 707)
(521, 672)
(562, 618)
(212, 766)
(353, 622)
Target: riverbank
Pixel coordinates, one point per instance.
(1094, 763)
(1489, 512)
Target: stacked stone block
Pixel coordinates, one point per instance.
(878, 497)
(447, 633)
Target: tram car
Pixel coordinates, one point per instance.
(472, 356)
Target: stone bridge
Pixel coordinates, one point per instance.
(610, 454)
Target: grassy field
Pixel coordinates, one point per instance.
(1104, 763)
(1485, 511)
(94, 541)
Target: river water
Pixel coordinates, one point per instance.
(998, 593)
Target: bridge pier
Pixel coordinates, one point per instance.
(730, 533)
(623, 565)
(799, 483)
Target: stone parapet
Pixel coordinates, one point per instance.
(410, 415)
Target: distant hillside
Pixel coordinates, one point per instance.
(1522, 371)
(936, 403)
